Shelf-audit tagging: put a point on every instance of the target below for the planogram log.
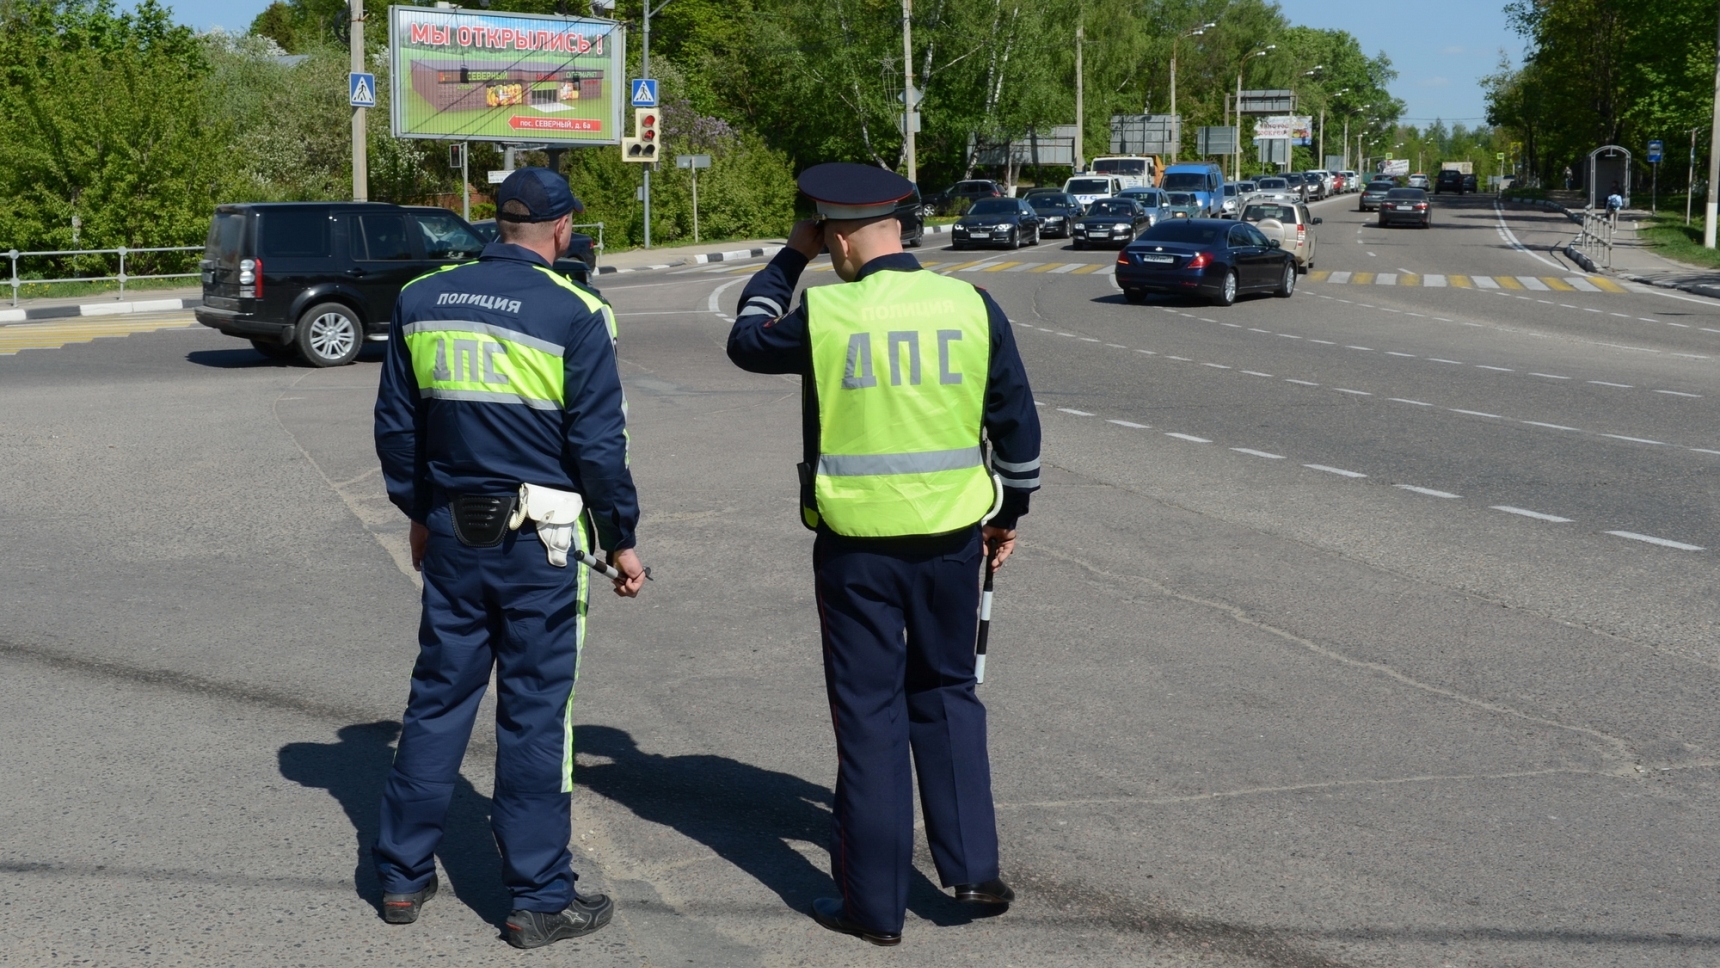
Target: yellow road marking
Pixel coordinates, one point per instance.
(1607, 284)
(1319, 275)
(1362, 279)
(1460, 282)
(1558, 285)
(53, 335)
(1047, 267)
(1506, 282)
(1086, 269)
(960, 266)
(1000, 267)
(1409, 279)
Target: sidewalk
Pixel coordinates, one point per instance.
(637, 260)
(101, 304)
(1634, 259)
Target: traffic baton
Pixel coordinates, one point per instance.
(608, 571)
(984, 618)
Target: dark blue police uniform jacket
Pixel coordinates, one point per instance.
(898, 619)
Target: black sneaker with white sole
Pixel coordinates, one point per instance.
(404, 908)
(534, 929)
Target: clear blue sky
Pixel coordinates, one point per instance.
(1440, 49)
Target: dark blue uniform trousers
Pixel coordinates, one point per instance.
(898, 635)
(506, 606)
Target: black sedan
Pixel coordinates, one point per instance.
(1057, 212)
(1009, 222)
(1111, 221)
(1215, 259)
(1406, 206)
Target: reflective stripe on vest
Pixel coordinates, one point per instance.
(458, 359)
(899, 362)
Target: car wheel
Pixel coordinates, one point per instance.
(329, 334)
(1287, 285)
(1226, 290)
(274, 351)
(1136, 296)
(1035, 238)
(912, 244)
(1015, 239)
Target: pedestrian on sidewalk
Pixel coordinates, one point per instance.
(1567, 178)
(1615, 202)
(502, 373)
(903, 370)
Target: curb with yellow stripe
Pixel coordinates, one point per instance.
(1439, 281)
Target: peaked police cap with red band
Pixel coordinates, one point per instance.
(845, 190)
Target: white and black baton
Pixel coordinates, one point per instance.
(610, 572)
(984, 618)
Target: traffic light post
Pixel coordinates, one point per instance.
(645, 147)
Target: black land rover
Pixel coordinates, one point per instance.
(317, 279)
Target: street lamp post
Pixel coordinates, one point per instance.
(1236, 166)
(1191, 32)
(1319, 162)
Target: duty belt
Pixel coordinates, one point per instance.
(481, 520)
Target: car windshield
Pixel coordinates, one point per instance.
(1184, 230)
(1415, 193)
(993, 206)
(1185, 180)
(1121, 166)
(1282, 213)
(1380, 186)
(1181, 198)
(1272, 183)
(1089, 186)
(1111, 208)
(1053, 203)
(446, 237)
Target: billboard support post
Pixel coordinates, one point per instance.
(360, 143)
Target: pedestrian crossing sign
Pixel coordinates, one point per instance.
(644, 92)
(362, 90)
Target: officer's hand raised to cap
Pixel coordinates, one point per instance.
(807, 238)
(999, 543)
(627, 562)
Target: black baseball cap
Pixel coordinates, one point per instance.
(543, 192)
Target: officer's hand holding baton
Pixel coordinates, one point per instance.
(632, 574)
(999, 544)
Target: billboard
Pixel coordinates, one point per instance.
(465, 76)
(1295, 127)
(1397, 167)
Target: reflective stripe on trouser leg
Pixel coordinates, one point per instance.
(541, 610)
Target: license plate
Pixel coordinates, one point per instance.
(1159, 258)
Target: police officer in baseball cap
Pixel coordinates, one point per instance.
(499, 406)
(907, 376)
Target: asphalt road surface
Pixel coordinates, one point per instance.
(1373, 626)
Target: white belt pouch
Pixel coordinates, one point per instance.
(556, 514)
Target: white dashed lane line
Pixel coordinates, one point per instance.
(1430, 492)
(1132, 426)
(1191, 439)
(1334, 470)
(1257, 453)
(1663, 542)
(1077, 413)
(1550, 518)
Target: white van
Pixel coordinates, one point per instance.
(1088, 189)
(1130, 171)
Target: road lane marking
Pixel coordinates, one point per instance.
(1402, 400)
(1636, 440)
(1433, 280)
(1552, 518)
(1254, 373)
(980, 266)
(1532, 283)
(1680, 393)
(1318, 275)
(1216, 366)
(1603, 383)
(1257, 453)
(1359, 393)
(1385, 278)
(1077, 413)
(1363, 278)
(1485, 282)
(1070, 267)
(1430, 492)
(1364, 349)
(1550, 376)
(1461, 282)
(1289, 336)
(1132, 426)
(1501, 369)
(1190, 439)
(1340, 278)
(1476, 413)
(1302, 383)
(1334, 470)
(1508, 282)
(1044, 267)
(1001, 266)
(1095, 267)
(1537, 423)
(1663, 542)
(1323, 342)
(1582, 285)
(1396, 353)
(1179, 359)
(1607, 285)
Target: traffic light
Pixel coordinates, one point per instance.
(454, 155)
(644, 146)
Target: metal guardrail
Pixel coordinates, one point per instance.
(1596, 235)
(596, 250)
(120, 277)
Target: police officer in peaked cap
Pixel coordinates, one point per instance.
(907, 376)
(502, 373)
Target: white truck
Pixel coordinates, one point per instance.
(1466, 167)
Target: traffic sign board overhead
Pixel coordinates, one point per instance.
(644, 92)
(361, 90)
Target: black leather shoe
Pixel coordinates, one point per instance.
(404, 908)
(994, 891)
(534, 929)
(829, 912)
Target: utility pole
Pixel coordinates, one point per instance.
(1711, 211)
(1690, 183)
(360, 143)
(908, 89)
(645, 71)
(1080, 91)
(466, 180)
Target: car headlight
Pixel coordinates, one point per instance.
(1120, 227)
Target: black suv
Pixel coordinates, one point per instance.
(1448, 181)
(956, 198)
(317, 279)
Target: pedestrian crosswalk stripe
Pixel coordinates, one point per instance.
(1067, 267)
(34, 336)
(1047, 267)
(1021, 267)
(1092, 268)
(999, 267)
(1592, 284)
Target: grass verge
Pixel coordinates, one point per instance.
(1671, 238)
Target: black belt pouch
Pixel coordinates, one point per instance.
(481, 520)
